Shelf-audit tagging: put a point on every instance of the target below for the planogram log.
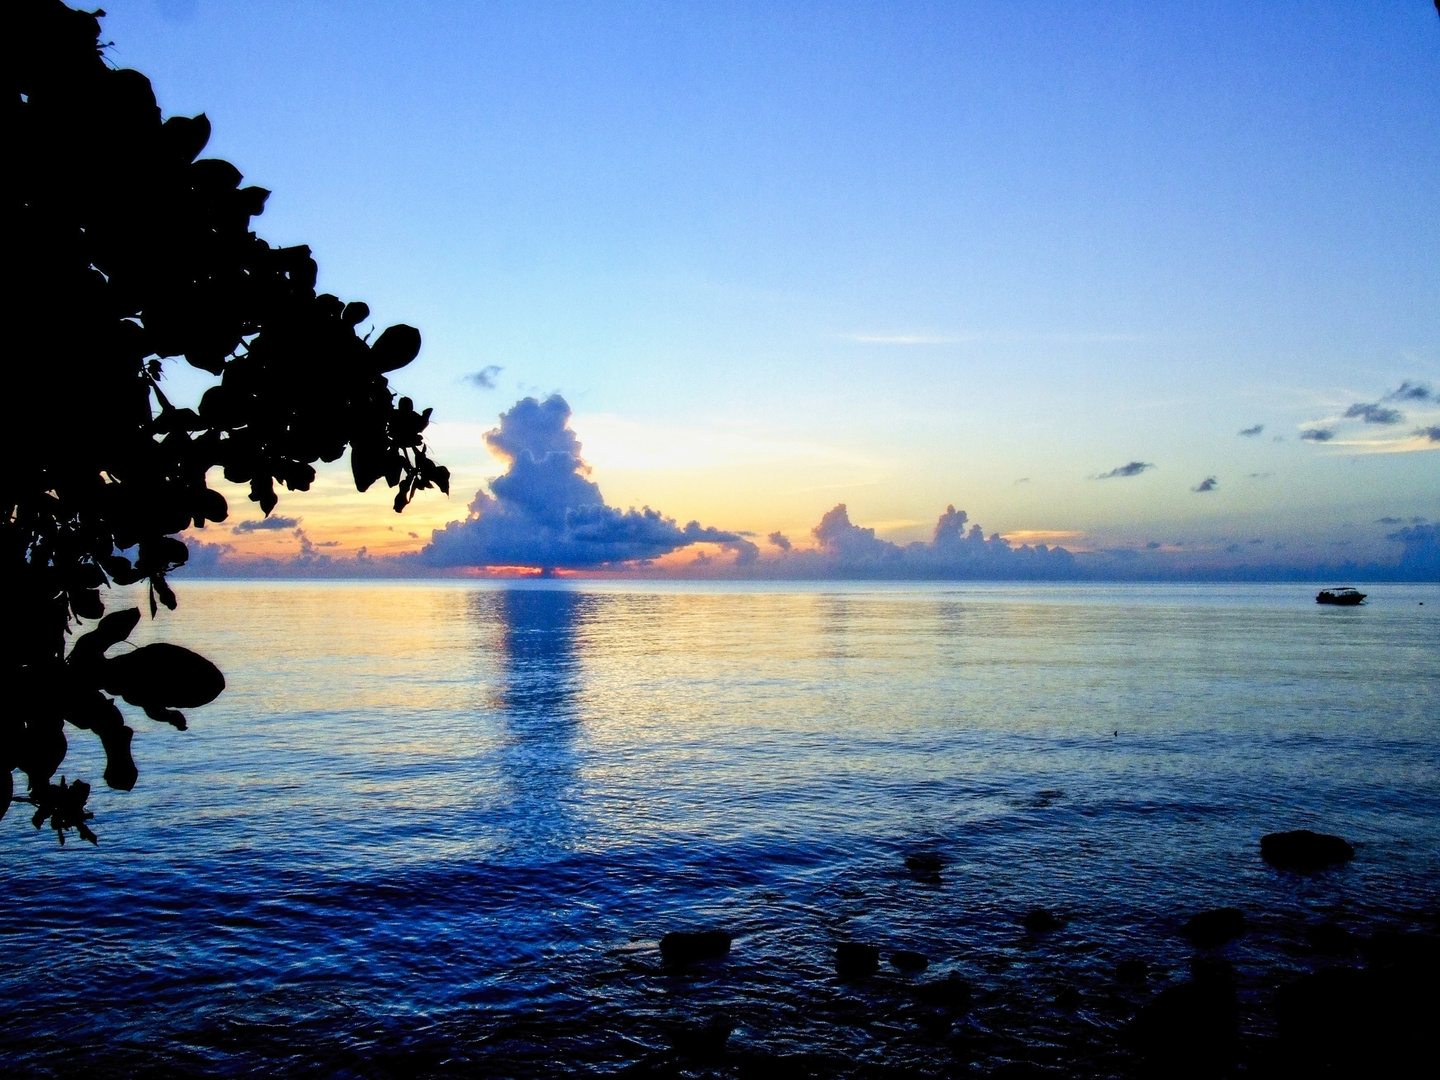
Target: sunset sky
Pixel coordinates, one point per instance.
(778, 257)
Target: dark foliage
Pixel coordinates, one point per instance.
(128, 251)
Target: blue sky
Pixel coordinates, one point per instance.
(778, 257)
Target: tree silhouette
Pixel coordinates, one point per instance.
(128, 250)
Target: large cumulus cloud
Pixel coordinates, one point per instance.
(545, 512)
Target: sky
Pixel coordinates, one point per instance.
(1041, 262)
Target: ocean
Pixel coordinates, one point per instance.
(439, 828)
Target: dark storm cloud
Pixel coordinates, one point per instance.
(1251, 432)
(1208, 484)
(1317, 434)
(485, 377)
(544, 512)
(1410, 391)
(1132, 468)
(1373, 413)
(1432, 432)
(269, 524)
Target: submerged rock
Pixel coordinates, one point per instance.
(1132, 971)
(1331, 940)
(687, 947)
(1304, 850)
(1040, 921)
(952, 992)
(908, 960)
(1210, 929)
(854, 960)
(702, 1040)
(924, 862)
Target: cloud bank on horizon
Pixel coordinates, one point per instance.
(545, 513)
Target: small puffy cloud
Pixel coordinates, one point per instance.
(485, 377)
(544, 512)
(1373, 413)
(1251, 432)
(1411, 391)
(1317, 434)
(1131, 468)
(1208, 484)
(780, 540)
(1432, 433)
(269, 524)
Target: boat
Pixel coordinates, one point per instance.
(1346, 597)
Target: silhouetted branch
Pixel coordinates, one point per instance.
(134, 252)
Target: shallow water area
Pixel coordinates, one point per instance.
(439, 828)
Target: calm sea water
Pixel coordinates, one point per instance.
(440, 828)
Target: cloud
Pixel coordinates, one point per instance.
(1410, 391)
(1373, 414)
(1208, 484)
(1421, 555)
(1132, 468)
(1317, 434)
(485, 377)
(957, 549)
(1432, 432)
(544, 512)
(780, 540)
(1251, 432)
(269, 524)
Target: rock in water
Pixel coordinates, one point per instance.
(924, 862)
(1190, 1029)
(907, 960)
(1132, 971)
(853, 960)
(1040, 921)
(702, 1040)
(951, 991)
(1304, 850)
(1212, 928)
(685, 947)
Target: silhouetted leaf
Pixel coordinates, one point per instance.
(164, 675)
(395, 348)
(111, 630)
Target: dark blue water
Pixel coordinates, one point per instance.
(436, 830)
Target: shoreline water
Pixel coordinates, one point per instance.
(441, 830)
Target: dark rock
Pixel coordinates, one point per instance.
(937, 1022)
(1132, 971)
(1388, 949)
(1331, 940)
(1212, 928)
(1378, 1021)
(686, 947)
(1190, 1029)
(1040, 921)
(1068, 998)
(951, 991)
(906, 960)
(1304, 850)
(702, 1040)
(853, 960)
(1213, 970)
